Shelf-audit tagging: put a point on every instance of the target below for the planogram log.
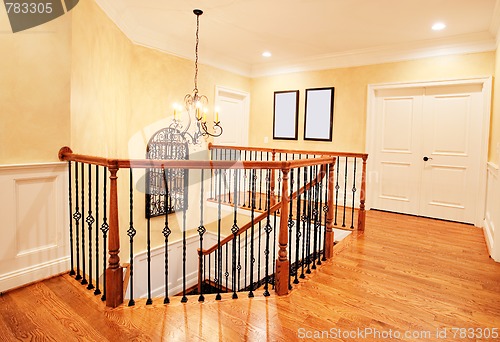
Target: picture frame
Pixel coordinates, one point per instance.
(286, 115)
(318, 120)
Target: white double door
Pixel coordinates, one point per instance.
(428, 150)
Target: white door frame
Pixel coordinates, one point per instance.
(221, 91)
(371, 133)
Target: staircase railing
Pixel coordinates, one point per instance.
(349, 174)
(254, 239)
(94, 203)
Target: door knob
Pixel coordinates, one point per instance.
(427, 158)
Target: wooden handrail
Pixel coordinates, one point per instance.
(278, 150)
(65, 154)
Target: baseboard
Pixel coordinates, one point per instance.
(33, 273)
(488, 237)
(491, 216)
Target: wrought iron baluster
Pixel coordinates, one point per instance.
(345, 193)
(212, 179)
(268, 230)
(71, 217)
(184, 298)
(104, 230)
(229, 186)
(275, 222)
(235, 229)
(326, 207)
(97, 261)
(337, 187)
(202, 298)
(252, 216)
(320, 213)
(246, 258)
(250, 183)
(259, 250)
(90, 221)
(210, 269)
(226, 274)
(201, 232)
(304, 225)
(353, 193)
(245, 185)
(84, 261)
(260, 189)
(239, 263)
(309, 218)
(131, 233)
(315, 220)
(225, 184)
(219, 249)
(290, 225)
(269, 176)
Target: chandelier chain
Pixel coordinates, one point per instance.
(196, 105)
(196, 54)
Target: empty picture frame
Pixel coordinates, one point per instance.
(318, 122)
(286, 114)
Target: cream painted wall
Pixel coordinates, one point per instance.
(494, 152)
(34, 91)
(351, 95)
(119, 88)
(121, 94)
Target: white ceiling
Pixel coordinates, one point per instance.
(307, 34)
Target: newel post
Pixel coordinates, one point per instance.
(329, 215)
(362, 197)
(114, 272)
(282, 264)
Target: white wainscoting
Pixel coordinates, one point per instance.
(492, 212)
(34, 219)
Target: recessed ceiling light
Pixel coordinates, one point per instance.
(266, 54)
(438, 26)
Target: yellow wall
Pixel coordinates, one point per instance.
(351, 95)
(119, 88)
(121, 94)
(34, 91)
(494, 155)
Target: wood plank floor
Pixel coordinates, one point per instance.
(405, 275)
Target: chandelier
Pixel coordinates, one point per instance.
(196, 105)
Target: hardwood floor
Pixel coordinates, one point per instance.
(404, 275)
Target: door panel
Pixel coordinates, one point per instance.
(396, 158)
(442, 123)
(230, 116)
(234, 107)
(452, 121)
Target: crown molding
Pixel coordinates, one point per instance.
(470, 43)
(495, 22)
